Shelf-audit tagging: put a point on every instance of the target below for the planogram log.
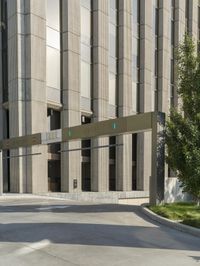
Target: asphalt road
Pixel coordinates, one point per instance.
(41, 231)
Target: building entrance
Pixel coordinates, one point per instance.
(153, 121)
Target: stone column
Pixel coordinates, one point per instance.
(27, 91)
(146, 57)
(164, 56)
(100, 157)
(124, 152)
(71, 116)
(179, 33)
(193, 19)
(1, 86)
(164, 59)
(35, 106)
(16, 85)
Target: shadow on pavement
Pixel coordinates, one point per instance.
(196, 258)
(93, 208)
(98, 235)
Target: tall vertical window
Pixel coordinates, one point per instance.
(4, 45)
(53, 51)
(86, 61)
(155, 52)
(135, 54)
(172, 28)
(113, 50)
(187, 16)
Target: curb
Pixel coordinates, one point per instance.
(172, 224)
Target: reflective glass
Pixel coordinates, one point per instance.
(134, 11)
(112, 89)
(113, 16)
(53, 68)
(134, 96)
(53, 14)
(134, 74)
(85, 25)
(113, 4)
(86, 53)
(85, 79)
(112, 65)
(53, 38)
(86, 3)
(112, 45)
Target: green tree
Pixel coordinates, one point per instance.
(183, 125)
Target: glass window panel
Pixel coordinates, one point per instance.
(134, 46)
(172, 71)
(156, 64)
(112, 46)
(86, 3)
(135, 30)
(53, 38)
(113, 65)
(53, 94)
(112, 29)
(86, 53)
(113, 4)
(172, 33)
(138, 97)
(85, 79)
(134, 74)
(134, 96)
(134, 11)
(112, 89)
(53, 68)
(113, 16)
(53, 14)
(85, 25)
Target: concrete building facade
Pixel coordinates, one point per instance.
(68, 62)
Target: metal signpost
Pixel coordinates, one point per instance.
(152, 121)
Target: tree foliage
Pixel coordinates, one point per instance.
(183, 125)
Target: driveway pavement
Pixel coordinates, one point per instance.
(42, 231)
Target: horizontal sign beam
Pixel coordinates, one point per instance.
(24, 141)
(111, 127)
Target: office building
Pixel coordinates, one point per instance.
(69, 62)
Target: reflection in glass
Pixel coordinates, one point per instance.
(112, 89)
(53, 68)
(86, 3)
(85, 25)
(53, 51)
(85, 79)
(86, 51)
(53, 14)
(135, 54)
(112, 52)
(53, 38)
(134, 94)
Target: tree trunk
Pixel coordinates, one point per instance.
(198, 202)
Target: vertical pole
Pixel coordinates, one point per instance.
(1, 173)
(157, 181)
